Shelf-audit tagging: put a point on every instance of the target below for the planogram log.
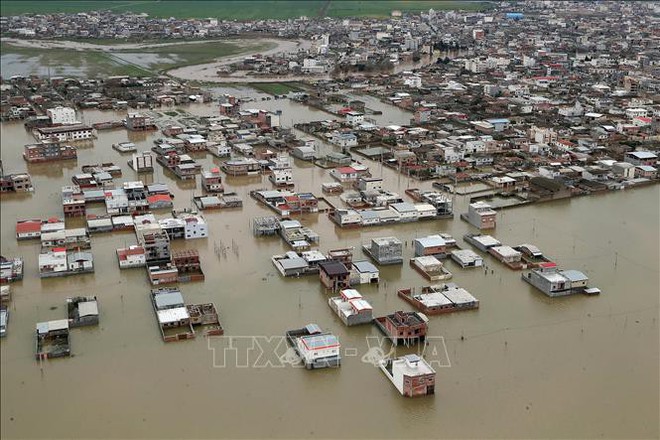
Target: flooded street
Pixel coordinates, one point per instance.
(522, 365)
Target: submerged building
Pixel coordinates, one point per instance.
(316, 348)
(481, 215)
(554, 282)
(411, 375)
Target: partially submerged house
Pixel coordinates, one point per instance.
(554, 282)
(431, 245)
(480, 215)
(410, 374)
(212, 181)
(188, 266)
(5, 294)
(509, 256)
(161, 274)
(364, 272)
(334, 275)
(11, 269)
(58, 262)
(131, 256)
(316, 349)
(467, 258)
(299, 237)
(482, 242)
(173, 317)
(206, 316)
(297, 264)
(218, 202)
(403, 327)
(351, 308)
(531, 255)
(4, 321)
(53, 339)
(155, 242)
(82, 311)
(385, 250)
(430, 267)
(443, 298)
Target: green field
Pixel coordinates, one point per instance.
(134, 62)
(197, 53)
(70, 62)
(238, 9)
(275, 88)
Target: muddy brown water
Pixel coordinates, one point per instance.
(522, 365)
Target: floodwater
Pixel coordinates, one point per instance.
(146, 59)
(14, 64)
(18, 64)
(522, 365)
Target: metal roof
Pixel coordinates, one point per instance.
(49, 326)
(172, 315)
(333, 268)
(88, 308)
(643, 154)
(312, 329)
(428, 260)
(486, 240)
(365, 266)
(433, 299)
(431, 241)
(360, 304)
(466, 255)
(459, 296)
(320, 342)
(293, 263)
(168, 299)
(574, 275)
(350, 294)
(506, 251)
(403, 207)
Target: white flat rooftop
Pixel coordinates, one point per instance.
(459, 296)
(506, 251)
(431, 241)
(486, 240)
(466, 255)
(435, 299)
(427, 261)
(172, 315)
(412, 365)
(360, 304)
(350, 294)
(88, 308)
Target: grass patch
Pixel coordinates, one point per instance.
(275, 88)
(92, 62)
(383, 9)
(69, 62)
(198, 53)
(238, 9)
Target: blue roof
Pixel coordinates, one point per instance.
(364, 266)
(498, 121)
(319, 341)
(313, 328)
(574, 275)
